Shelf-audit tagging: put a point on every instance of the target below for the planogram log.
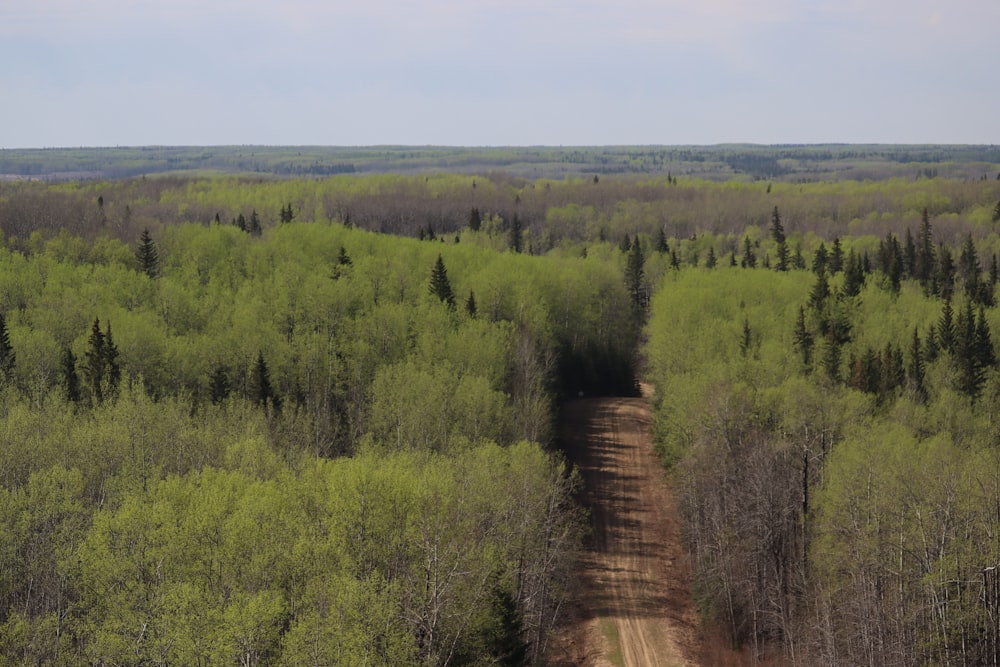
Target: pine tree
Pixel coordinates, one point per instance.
(241, 223)
(836, 257)
(111, 355)
(475, 219)
(820, 292)
(746, 338)
(820, 259)
(219, 386)
(943, 279)
(778, 234)
(909, 254)
(440, 286)
(254, 226)
(661, 242)
(70, 379)
(749, 259)
(516, 234)
(260, 388)
(95, 364)
(711, 260)
(969, 269)
(944, 333)
(854, 275)
(915, 371)
(287, 214)
(7, 356)
(924, 259)
(470, 305)
(802, 338)
(635, 276)
(147, 256)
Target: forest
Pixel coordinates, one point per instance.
(366, 370)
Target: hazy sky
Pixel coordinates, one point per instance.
(497, 72)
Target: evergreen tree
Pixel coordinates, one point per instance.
(343, 262)
(996, 209)
(626, 244)
(675, 261)
(836, 257)
(112, 364)
(820, 292)
(7, 357)
(854, 275)
(260, 388)
(475, 219)
(943, 279)
(802, 338)
(711, 260)
(147, 256)
(241, 223)
(915, 371)
(287, 214)
(516, 234)
(749, 259)
(831, 358)
(924, 259)
(96, 362)
(778, 234)
(945, 334)
(732, 258)
(219, 386)
(983, 345)
(69, 379)
(909, 254)
(746, 338)
(820, 259)
(969, 269)
(470, 305)
(254, 226)
(635, 276)
(661, 242)
(440, 286)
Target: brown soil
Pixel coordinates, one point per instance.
(633, 604)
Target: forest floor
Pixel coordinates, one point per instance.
(632, 605)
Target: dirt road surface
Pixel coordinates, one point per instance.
(633, 604)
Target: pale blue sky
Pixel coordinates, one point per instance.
(497, 72)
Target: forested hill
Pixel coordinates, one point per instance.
(729, 161)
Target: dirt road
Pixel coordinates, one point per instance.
(633, 605)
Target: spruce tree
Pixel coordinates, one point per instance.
(778, 234)
(254, 226)
(820, 259)
(475, 219)
(996, 209)
(924, 259)
(749, 259)
(69, 379)
(820, 292)
(260, 388)
(836, 257)
(147, 256)
(113, 366)
(219, 386)
(7, 357)
(661, 242)
(470, 305)
(516, 234)
(802, 338)
(95, 363)
(635, 275)
(915, 371)
(440, 286)
(711, 260)
(944, 333)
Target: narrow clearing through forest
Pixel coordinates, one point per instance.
(632, 605)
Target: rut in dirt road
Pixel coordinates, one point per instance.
(634, 602)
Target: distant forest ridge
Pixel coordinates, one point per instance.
(796, 163)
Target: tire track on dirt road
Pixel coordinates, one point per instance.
(633, 604)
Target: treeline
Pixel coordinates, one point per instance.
(564, 215)
(316, 445)
(835, 445)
